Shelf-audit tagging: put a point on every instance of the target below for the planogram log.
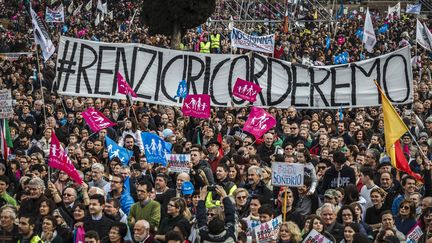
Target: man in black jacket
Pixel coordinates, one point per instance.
(201, 173)
(256, 186)
(97, 220)
(217, 230)
(339, 175)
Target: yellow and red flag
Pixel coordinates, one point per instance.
(394, 129)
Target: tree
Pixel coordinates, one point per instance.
(174, 17)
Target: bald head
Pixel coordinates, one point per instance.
(182, 177)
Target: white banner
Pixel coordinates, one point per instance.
(255, 43)
(6, 104)
(87, 68)
(268, 231)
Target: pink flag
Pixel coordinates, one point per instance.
(197, 106)
(123, 86)
(246, 90)
(58, 159)
(259, 122)
(96, 120)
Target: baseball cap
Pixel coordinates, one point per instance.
(187, 188)
(331, 193)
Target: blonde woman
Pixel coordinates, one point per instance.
(289, 232)
(266, 177)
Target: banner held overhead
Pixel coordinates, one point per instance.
(87, 68)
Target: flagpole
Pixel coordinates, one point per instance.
(284, 210)
(40, 81)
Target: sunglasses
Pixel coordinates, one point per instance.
(405, 207)
(211, 214)
(241, 197)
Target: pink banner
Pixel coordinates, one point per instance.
(259, 122)
(96, 120)
(123, 86)
(58, 159)
(246, 90)
(197, 106)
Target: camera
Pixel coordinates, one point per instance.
(211, 188)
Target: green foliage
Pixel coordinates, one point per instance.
(162, 15)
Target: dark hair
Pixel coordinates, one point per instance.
(148, 184)
(52, 219)
(173, 235)
(312, 218)
(31, 219)
(351, 209)
(384, 213)
(216, 226)
(92, 235)
(351, 194)
(259, 198)
(99, 198)
(367, 171)
(122, 228)
(266, 209)
(119, 176)
(5, 179)
(306, 154)
(115, 201)
(307, 181)
(224, 167)
(339, 157)
(412, 207)
(50, 203)
(407, 177)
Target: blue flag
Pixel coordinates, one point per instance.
(155, 148)
(328, 41)
(383, 29)
(114, 150)
(182, 90)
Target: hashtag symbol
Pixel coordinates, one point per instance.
(70, 64)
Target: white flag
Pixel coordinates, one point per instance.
(369, 38)
(421, 36)
(71, 8)
(97, 20)
(394, 11)
(428, 34)
(88, 6)
(105, 8)
(99, 6)
(77, 10)
(41, 36)
(231, 24)
(111, 14)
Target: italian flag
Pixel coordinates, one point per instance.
(6, 139)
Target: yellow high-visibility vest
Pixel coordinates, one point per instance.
(215, 41)
(205, 47)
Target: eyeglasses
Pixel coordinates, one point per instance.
(171, 205)
(241, 197)
(404, 207)
(67, 195)
(211, 214)
(116, 182)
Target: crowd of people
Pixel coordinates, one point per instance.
(351, 192)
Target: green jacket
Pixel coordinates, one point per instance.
(150, 211)
(10, 200)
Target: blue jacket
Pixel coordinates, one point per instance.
(126, 201)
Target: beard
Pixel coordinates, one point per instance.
(139, 237)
